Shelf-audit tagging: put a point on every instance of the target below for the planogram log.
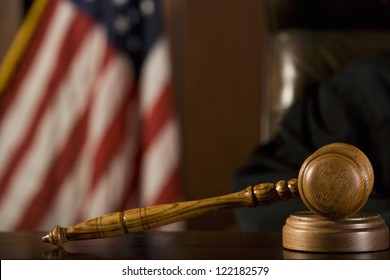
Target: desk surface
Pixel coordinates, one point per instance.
(165, 245)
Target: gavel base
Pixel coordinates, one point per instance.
(363, 232)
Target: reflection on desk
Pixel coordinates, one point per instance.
(166, 245)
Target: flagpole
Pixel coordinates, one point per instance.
(20, 42)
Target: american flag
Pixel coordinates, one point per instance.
(87, 125)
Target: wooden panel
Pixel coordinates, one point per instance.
(217, 49)
(10, 18)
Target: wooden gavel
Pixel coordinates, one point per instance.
(334, 182)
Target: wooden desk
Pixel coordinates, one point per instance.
(165, 245)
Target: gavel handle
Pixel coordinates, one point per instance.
(145, 218)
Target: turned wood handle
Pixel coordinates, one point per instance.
(145, 218)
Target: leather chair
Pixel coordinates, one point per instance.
(310, 40)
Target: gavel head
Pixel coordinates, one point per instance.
(336, 180)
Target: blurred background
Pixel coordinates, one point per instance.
(218, 52)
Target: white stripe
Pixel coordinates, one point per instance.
(70, 102)
(106, 100)
(154, 76)
(110, 187)
(161, 158)
(163, 154)
(110, 95)
(69, 200)
(20, 116)
(74, 190)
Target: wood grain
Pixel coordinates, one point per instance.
(336, 180)
(362, 232)
(141, 219)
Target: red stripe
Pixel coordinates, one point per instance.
(11, 92)
(64, 162)
(114, 136)
(72, 41)
(152, 125)
(57, 173)
(112, 140)
(158, 117)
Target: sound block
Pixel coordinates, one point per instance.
(362, 232)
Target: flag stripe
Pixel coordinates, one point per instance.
(79, 182)
(158, 116)
(57, 173)
(65, 56)
(111, 123)
(45, 145)
(164, 147)
(113, 137)
(62, 166)
(70, 150)
(18, 102)
(157, 69)
(68, 202)
(88, 126)
(103, 199)
(159, 130)
(16, 155)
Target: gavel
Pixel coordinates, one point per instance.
(334, 183)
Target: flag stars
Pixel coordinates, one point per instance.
(147, 7)
(122, 24)
(119, 3)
